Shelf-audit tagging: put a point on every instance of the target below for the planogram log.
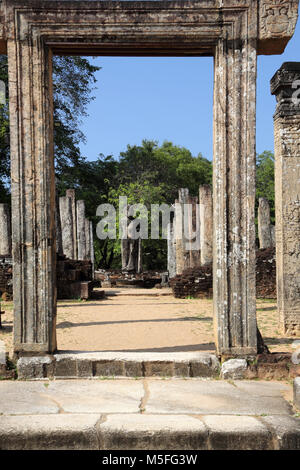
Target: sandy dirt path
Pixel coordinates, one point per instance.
(139, 320)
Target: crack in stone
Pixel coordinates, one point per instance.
(60, 408)
(145, 397)
(101, 420)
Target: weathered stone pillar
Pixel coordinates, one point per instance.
(171, 250)
(179, 254)
(285, 85)
(206, 224)
(88, 239)
(5, 230)
(234, 195)
(264, 224)
(92, 253)
(33, 193)
(59, 244)
(71, 194)
(124, 253)
(140, 257)
(81, 237)
(66, 219)
(187, 231)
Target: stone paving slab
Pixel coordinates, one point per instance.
(127, 414)
(216, 397)
(25, 398)
(73, 396)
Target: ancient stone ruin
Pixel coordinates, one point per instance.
(234, 32)
(190, 234)
(75, 259)
(287, 195)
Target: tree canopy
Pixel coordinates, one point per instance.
(148, 173)
(73, 83)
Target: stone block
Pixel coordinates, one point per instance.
(205, 366)
(159, 368)
(86, 290)
(65, 366)
(109, 368)
(49, 432)
(297, 392)
(133, 369)
(181, 369)
(84, 368)
(237, 433)
(286, 431)
(35, 367)
(234, 369)
(156, 432)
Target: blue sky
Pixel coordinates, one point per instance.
(169, 99)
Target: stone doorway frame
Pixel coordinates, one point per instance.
(234, 32)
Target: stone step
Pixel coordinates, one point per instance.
(119, 364)
(128, 414)
(152, 364)
(154, 432)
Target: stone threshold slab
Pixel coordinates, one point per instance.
(145, 432)
(119, 364)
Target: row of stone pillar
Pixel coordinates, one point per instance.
(266, 231)
(74, 232)
(199, 227)
(190, 235)
(5, 231)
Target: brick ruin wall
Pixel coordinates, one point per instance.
(198, 282)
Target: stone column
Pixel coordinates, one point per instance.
(71, 194)
(187, 246)
(285, 85)
(124, 252)
(171, 250)
(140, 257)
(88, 239)
(66, 219)
(206, 224)
(5, 231)
(234, 195)
(59, 244)
(179, 257)
(81, 237)
(92, 253)
(33, 194)
(264, 224)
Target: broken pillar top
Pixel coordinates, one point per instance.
(285, 84)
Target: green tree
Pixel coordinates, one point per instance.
(265, 181)
(152, 174)
(73, 83)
